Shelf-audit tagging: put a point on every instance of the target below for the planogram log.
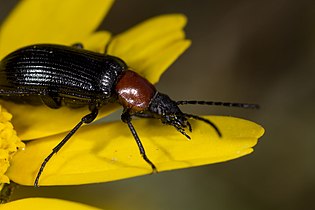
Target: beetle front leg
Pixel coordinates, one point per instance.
(126, 118)
(85, 120)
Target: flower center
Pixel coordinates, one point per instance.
(9, 144)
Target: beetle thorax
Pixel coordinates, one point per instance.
(134, 92)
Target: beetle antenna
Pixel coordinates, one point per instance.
(196, 117)
(217, 103)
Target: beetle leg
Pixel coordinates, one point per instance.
(85, 120)
(144, 115)
(52, 102)
(126, 118)
(78, 45)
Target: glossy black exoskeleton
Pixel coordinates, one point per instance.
(57, 76)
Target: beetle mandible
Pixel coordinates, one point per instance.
(57, 75)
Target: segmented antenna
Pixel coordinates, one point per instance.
(217, 103)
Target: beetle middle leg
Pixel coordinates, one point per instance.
(126, 118)
(52, 99)
(85, 120)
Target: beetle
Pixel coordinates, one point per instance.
(57, 75)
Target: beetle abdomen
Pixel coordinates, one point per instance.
(67, 72)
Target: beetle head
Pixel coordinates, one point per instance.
(167, 110)
(164, 108)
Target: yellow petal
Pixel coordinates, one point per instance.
(32, 122)
(106, 152)
(51, 21)
(44, 203)
(152, 46)
(97, 42)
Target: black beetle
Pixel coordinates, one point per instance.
(57, 75)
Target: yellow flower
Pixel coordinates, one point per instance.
(9, 144)
(107, 151)
(45, 203)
